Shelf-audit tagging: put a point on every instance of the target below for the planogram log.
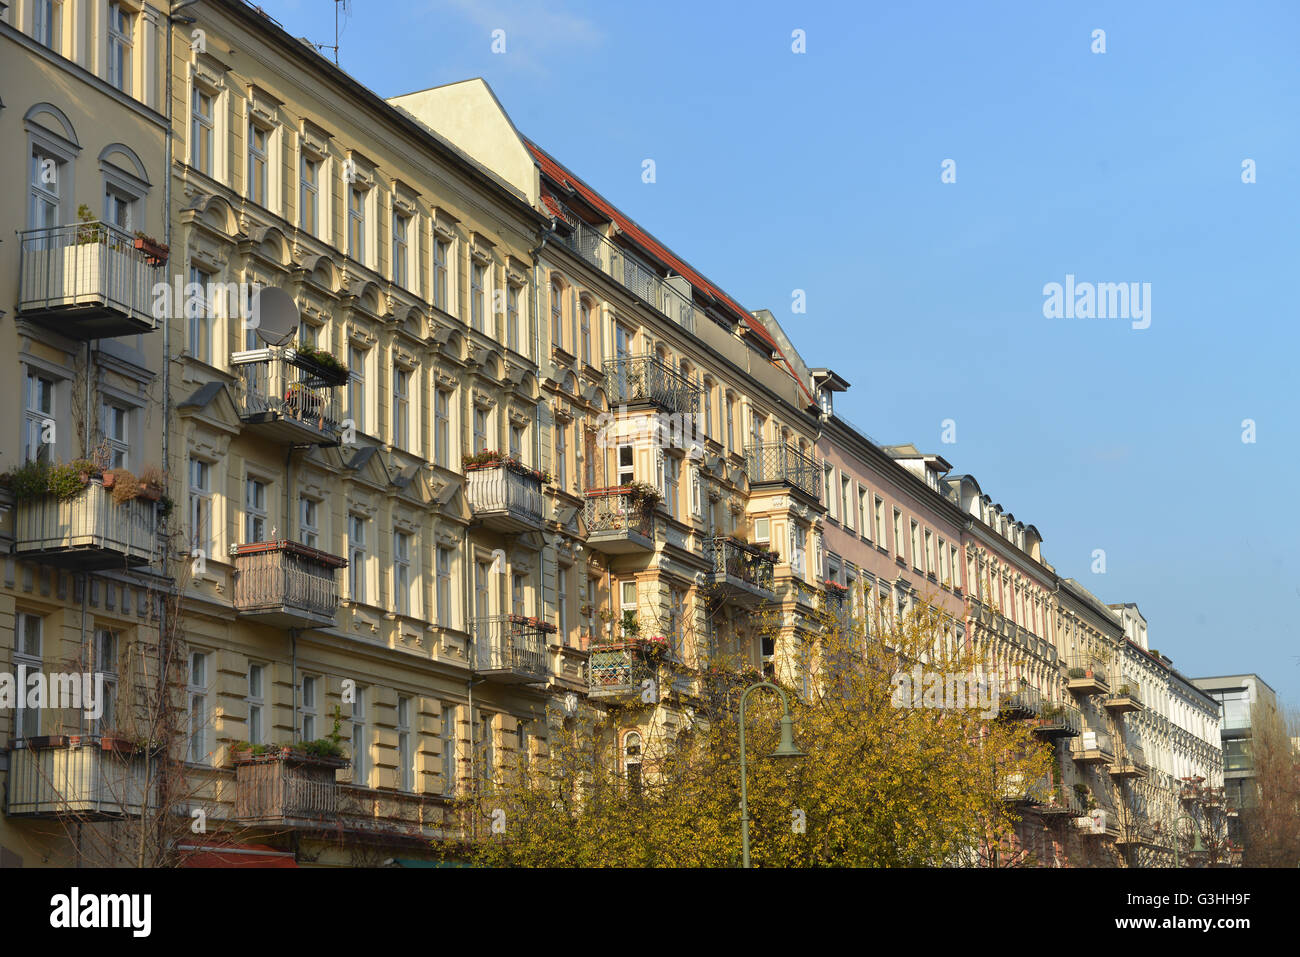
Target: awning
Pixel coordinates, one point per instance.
(234, 855)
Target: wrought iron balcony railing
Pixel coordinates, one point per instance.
(87, 280)
(1092, 746)
(1022, 702)
(1058, 720)
(617, 669)
(781, 462)
(741, 566)
(1086, 675)
(87, 777)
(89, 530)
(511, 648)
(612, 515)
(630, 380)
(1125, 696)
(286, 582)
(291, 397)
(504, 498)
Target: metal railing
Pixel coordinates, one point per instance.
(781, 462)
(617, 668)
(81, 778)
(1132, 753)
(1085, 666)
(1024, 700)
(503, 643)
(496, 488)
(273, 381)
(1058, 716)
(284, 575)
(1127, 688)
(731, 559)
(630, 379)
(89, 521)
(613, 510)
(1092, 741)
(633, 275)
(83, 265)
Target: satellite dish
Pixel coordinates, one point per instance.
(274, 315)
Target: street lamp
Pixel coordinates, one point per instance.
(786, 748)
(1197, 846)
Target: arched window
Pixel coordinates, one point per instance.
(632, 760)
(557, 313)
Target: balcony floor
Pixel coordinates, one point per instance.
(287, 430)
(288, 617)
(619, 542)
(89, 321)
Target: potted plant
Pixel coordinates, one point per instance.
(155, 253)
(320, 363)
(1076, 673)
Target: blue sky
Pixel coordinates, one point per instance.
(820, 171)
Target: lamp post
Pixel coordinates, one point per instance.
(786, 748)
(1197, 846)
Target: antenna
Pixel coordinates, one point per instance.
(347, 12)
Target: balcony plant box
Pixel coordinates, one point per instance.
(155, 253)
(118, 745)
(320, 365)
(45, 741)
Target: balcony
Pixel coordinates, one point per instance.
(505, 497)
(648, 380)
(1064, 802)
(1137, 832)
(87, 281)
(286, 584)
(88, 531)
(392, 816)
(616, 671)
(287, 397)
(1032, 793)
(1191, 789)
(617, 524)
(1024, 702)
(1092, 747)
(287, 788)
(1099, 822)
(779, 463)
(89, 777)
(511, 649)
(745, 573)
(1126, 697)
(1086, 677)
(1058, 721)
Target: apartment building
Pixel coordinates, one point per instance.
(1239, 699)
(83, 133)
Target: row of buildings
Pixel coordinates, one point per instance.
(503, 443)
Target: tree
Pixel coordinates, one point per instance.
(1271, 825)
(890, 779)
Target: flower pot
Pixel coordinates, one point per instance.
(117, 745)
(150, 493)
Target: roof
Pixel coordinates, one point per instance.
(560, 174)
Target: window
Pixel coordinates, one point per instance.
(119, 208)
(28, 655)
(626, 472)
(846, 501)
(487, 768)
(731, 420)
(832, 500)
(202, 131)
(588, 610)
(201, 526)
(360, 748)
(47, 174)
(308, 193)
(882, 539)
(557, 315)
(900, 549)
(864, 513)
(401, 407)
(405, 757)
(254, 510)
(441, 249)
(762, 530)
(632, 761)
(402, 572)
(258, 139)
(309, 707)
(38, 433)
(676, 619)
(562, 455)
(119, 47)
(47, 23)
(512, 318)
(672, 483)
(357, 387)
(356, 558)
(197, 695)
(943, 562)
(929, 552)
(401, 246)
(357, 224)
(441, 427)
(627, 602)
(256, 705)
(309, 521)
(584, 313)
(201, 314)
(477, 282)
(916, 546)
(480, 429)
(448, 749)
(106, 673)
(755, 429)
(562, 600)
(798, 548)
(523, 747)
(518, 593)
(516, 440)
(955, 559)
(444, 586)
